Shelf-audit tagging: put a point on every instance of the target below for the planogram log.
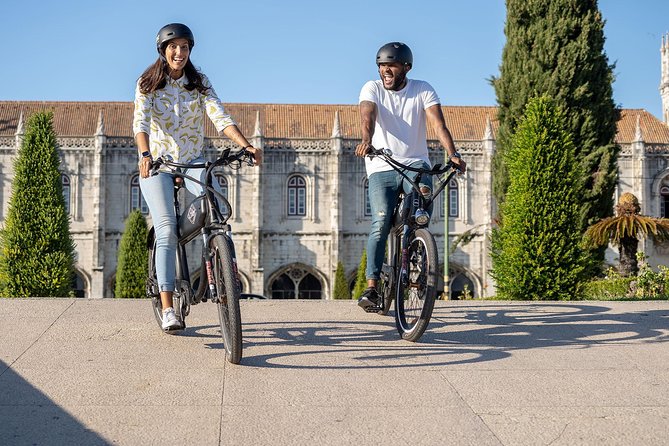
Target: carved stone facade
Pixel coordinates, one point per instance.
(277, 249)
(305, 208)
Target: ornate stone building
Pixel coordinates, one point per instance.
(306, 207)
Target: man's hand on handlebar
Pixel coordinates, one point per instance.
(363, 149)
(256, 153)
(459, 164)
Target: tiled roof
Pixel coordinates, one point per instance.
(653, 131)
(289, 120)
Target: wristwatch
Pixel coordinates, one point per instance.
(146, 154)
(456, 154)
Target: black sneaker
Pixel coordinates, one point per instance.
(370, 300)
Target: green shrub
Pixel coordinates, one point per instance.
(361, 277)
(607, 289)
(535, 249)
(133, 256)
(341, 290)
(37, 251)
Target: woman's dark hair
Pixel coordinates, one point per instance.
(154, 77)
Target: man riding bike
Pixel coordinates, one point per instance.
(394, 111)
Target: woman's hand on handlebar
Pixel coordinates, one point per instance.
(145, 163)
(363, 149)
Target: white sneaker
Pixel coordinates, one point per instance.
(170, 321)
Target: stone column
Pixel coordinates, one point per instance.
(99, 228)
(256, 261)
(336, 152)
(664, 82)
(489, 206)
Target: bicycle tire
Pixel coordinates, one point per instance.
(227, 290)
(415, 299)
(153, 292)
(385, 289)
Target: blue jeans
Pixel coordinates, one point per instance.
(158, 192)
(384, 189)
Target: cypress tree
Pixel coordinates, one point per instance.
(556, 48)
(133, 256)
(37, 251)
(340, 287)
(535, 249)
(361, 277)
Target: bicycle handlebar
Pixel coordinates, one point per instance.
(237, 158)
(437, 169)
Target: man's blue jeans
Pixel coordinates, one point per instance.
(384, 189)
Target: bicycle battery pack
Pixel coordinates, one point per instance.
(193, 217)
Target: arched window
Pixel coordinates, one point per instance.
(297, 195)
(296, 283)
(78, 285)
(365, 199)
(462, 287)
(664, 202)
(65, 182)
(136, 199)
(224, 185)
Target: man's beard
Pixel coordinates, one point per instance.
(398, 82)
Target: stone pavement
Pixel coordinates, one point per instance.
(98, 372)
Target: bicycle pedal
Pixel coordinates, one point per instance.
(372, 309)
(174, 329)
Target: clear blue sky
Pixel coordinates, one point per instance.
(296, 51)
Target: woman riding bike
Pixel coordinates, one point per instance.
(171, 100)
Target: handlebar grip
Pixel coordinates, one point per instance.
(155, 166)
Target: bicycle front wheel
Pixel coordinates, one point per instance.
(227, 290)
(416, 292)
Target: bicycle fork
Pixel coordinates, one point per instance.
(404, 250)
(206, 238)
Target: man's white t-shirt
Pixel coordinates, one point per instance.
(400, 121)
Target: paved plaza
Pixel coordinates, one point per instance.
(99, 372)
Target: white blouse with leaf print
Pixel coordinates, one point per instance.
(173, 117)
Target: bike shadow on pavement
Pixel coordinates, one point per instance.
(30, 417)
(457, 334)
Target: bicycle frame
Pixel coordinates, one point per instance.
(408, 275)
(410, 211)
(202, 216)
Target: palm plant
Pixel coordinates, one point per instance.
(625, 229)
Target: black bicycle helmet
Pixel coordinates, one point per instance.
(394, 52)
(173, 31)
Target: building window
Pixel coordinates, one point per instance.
(223, 183)
(664, 202)
(136, 199)
(365, 199)
(453, 199)
(65, 182)
(296, 283)
(297, 195)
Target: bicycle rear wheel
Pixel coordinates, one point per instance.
(417, 292)
(227, 290)
(153, 292)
